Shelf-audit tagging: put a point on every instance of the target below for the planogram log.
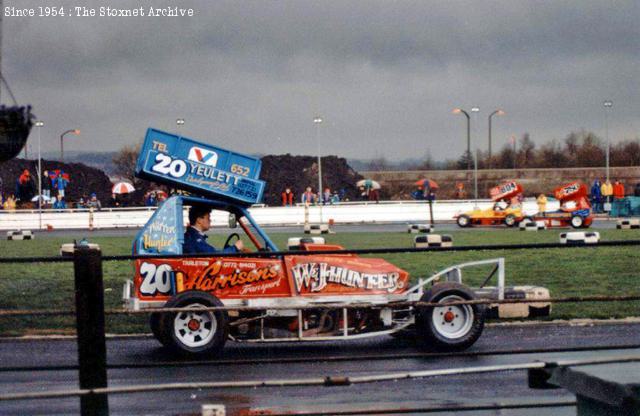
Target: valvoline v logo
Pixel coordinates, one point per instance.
(204, 156)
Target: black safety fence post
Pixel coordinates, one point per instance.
(92, 349)
(431, 209)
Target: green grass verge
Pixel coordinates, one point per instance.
(566, 272)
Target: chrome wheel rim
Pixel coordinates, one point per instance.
(195, 328)
(452, 321)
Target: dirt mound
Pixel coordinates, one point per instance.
(298, 172)
(83, 180)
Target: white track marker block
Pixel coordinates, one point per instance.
(317, 229)
(580, 238)
(628, 224)
(528, 225)
(432, 240)
(419, 228)
(20, 235)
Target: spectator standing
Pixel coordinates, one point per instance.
(618, 190)
(10, 203)
(150, 200)
(94, 202)
(81, 203)
(46, 184)
(115, 202)
(60, 203)
(596, 196)
(542, 203)
(25, 187)
(606, 190)
(460, 192)
(335, 198)
(326, 196)
(287, 198)
(60, 181)
(308, 197)
(374, 195)
(364, 194)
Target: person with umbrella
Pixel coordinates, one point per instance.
(370, 189)
(120, 191)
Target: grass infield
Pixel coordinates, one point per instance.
(565, 272)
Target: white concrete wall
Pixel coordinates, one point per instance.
(349, 213)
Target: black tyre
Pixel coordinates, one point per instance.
(577, 221)
(197, 332)
(510, 220)
(155, 323)
(449, 328)
(464, 221)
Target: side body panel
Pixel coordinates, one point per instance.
(157, 279)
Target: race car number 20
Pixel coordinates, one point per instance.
(168, 166)
(155, 279)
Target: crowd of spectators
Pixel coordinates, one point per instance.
(602, 194)
(310, 197)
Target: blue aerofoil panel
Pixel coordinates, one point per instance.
(163, 233)
(206, 170)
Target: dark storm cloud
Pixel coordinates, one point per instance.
(384, 74)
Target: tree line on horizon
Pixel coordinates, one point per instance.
(578, 149)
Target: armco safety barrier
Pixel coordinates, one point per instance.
(343, 213)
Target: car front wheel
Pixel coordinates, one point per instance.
(195, 332)
(464, 221)
(577, 221)
(510, 220)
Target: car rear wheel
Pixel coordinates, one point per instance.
(195, 332)
(449, 327)
(464, 221)
(510, 220)
(577, 221)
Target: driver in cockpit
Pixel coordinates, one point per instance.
(500, 205)
(195, 239)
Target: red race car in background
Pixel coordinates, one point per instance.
(575, 209)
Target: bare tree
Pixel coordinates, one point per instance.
(125, 162)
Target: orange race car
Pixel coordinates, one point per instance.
(284, 296)
(507, 208)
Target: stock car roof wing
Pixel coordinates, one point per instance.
(505, 190)
(200, 168)
(571, 191)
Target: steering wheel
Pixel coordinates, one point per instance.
(227, 243)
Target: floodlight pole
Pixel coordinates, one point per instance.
(317, 121)
(74, 131)
(461, 111)
(39, 125)
(608, 104)
(475, 110)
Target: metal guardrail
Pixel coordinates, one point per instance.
(342, 213)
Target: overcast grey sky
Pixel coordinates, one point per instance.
(385, 75)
